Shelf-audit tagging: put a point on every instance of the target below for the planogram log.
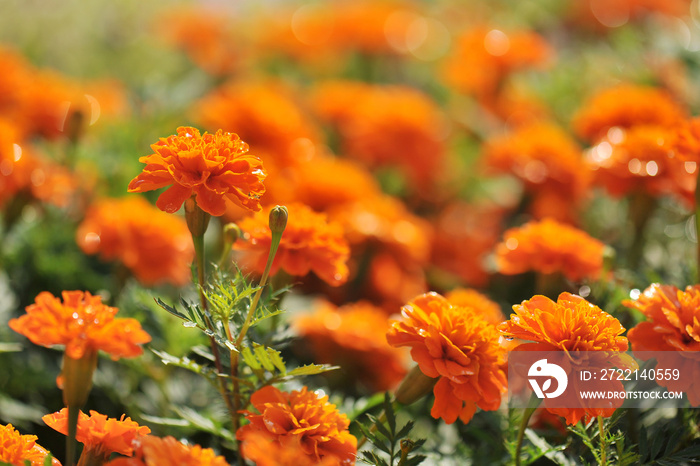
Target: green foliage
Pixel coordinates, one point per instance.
(392, 442)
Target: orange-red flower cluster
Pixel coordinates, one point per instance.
(465, 235)
(459, 347)
(386, 126)
(151, 450)
(625, 106)
(45, 103)
(266, 116)
(548, 161)
(82, 323)
(100, 435)
(548, 246)
(155, 246)
(301, 419)
(672, 325)
(207, 37)
(686, 144)
(353, 337)
(569, 325)
(260, 450)
(639, 159)
(309, 244)
(211, 167)
(16, 448)
(483, 58)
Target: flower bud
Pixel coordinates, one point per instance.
(231, 233)
(278, 219)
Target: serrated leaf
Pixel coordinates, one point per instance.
(311, 369)
(263, 356)
(403, 432)
(250, 359)
(276, 358)
(184, 362)
(389, 412)
(414, 460)
(382, 430)
(171, 309)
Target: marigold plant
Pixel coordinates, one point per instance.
(672, 325)
(547, 247)
(16, 448)
(301, 418)
(100, 435)
(154, 246)
(151, 450)
(352, 336)
(570, 325)
(309, 244)
(210, 167)
(459, 348)
(467, 297)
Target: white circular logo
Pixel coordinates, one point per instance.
(542, 368)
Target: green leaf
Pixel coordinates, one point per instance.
(263, 356)
(10, 347)
(185, 363)
(165, 421)
(311, 369)
(389, 412)
(250, 359)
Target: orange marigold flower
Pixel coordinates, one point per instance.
(301, 418)
(548, 246)
(309, 243)
(100, 435)
(569, 325)
(484, 57)
(258, 448)
(546, 159)
(625, 106)
(155, 246)
(639, 160)
(457, 346)
(672, 325)
(16, 448)
(82, 323)
(388, 126)
(467, 297)
(212, 167)
(151, 450)
(352, 337)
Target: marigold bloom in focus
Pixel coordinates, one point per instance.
(352, 337)
(155, 246)
(82, 323)
(309, 244)
(16, 448)
(626, 106)
(301, 418)
(100, 435)
(151, 450)
(467, 297)
(457, 346)
(547, 160)
(260, 450)
(484, 57)
(639, 160)
(672, 325)
(548, 246)
(569, 325)
(212, 167)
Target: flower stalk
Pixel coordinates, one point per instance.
(77, 382)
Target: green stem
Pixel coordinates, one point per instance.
(603, 447)
(527, 414)
(71, 442)
(198, 241)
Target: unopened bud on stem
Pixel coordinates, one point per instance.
(278, 219)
